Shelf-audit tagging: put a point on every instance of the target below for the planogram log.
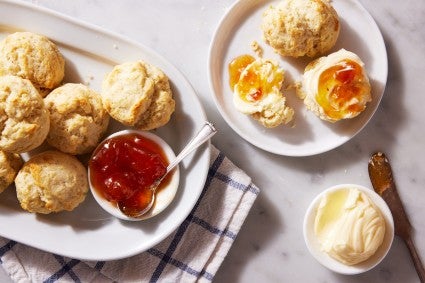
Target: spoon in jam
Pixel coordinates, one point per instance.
(204, 134)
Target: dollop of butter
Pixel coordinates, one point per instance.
(349, 227)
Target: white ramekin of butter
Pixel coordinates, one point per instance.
(348, 228)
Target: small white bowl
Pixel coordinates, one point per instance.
(313, 244)
(163, 197)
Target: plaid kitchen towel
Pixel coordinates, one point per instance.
(192, 253)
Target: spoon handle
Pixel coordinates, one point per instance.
(416, 259)
(204, 134)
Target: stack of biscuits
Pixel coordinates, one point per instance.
(36, 106)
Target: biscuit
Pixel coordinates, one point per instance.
(257, 92)
(24, 120)
(163, 104)
(138, 94)
(301, 27)
(77, 118)
(127, 92)
(51, 181)
(10, 163)
(34, 57)
(275, 114)
(336, 86)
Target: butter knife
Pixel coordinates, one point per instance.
(381, 176)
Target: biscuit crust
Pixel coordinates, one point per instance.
(77, 118)
(127, 92)
(301, 27)
(138, 94)
(34, 57)
(163, 104)
(51, 181)
(10, 163)
(24, 120)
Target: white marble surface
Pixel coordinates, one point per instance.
(270, 246)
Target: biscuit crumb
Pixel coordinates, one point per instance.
(257, 48)
(88, 79)
(115, 46)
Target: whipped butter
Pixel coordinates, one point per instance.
(349, 227)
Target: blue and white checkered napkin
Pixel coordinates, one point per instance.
(193, 252)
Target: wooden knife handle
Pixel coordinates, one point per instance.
(381, 176)
(416, 259)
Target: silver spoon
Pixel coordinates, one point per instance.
(204, 134)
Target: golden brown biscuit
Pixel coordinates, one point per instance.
(24, 120)
(34, 57)
(301, 27)
(159, 112)
(77, 118)
(51, 181)
(127, 92)
(10, 163)
(138, 94)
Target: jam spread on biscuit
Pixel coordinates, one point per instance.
(236, 67)
(252, 78)
(342, 89)
(123, 168)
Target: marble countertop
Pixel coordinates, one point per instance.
(270, 245)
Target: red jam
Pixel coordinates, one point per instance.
(123, 168)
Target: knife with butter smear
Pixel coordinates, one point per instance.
(381, 176)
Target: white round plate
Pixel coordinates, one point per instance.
(89, 232)
(310, 135)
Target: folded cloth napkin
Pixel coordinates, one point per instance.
(192, 253)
